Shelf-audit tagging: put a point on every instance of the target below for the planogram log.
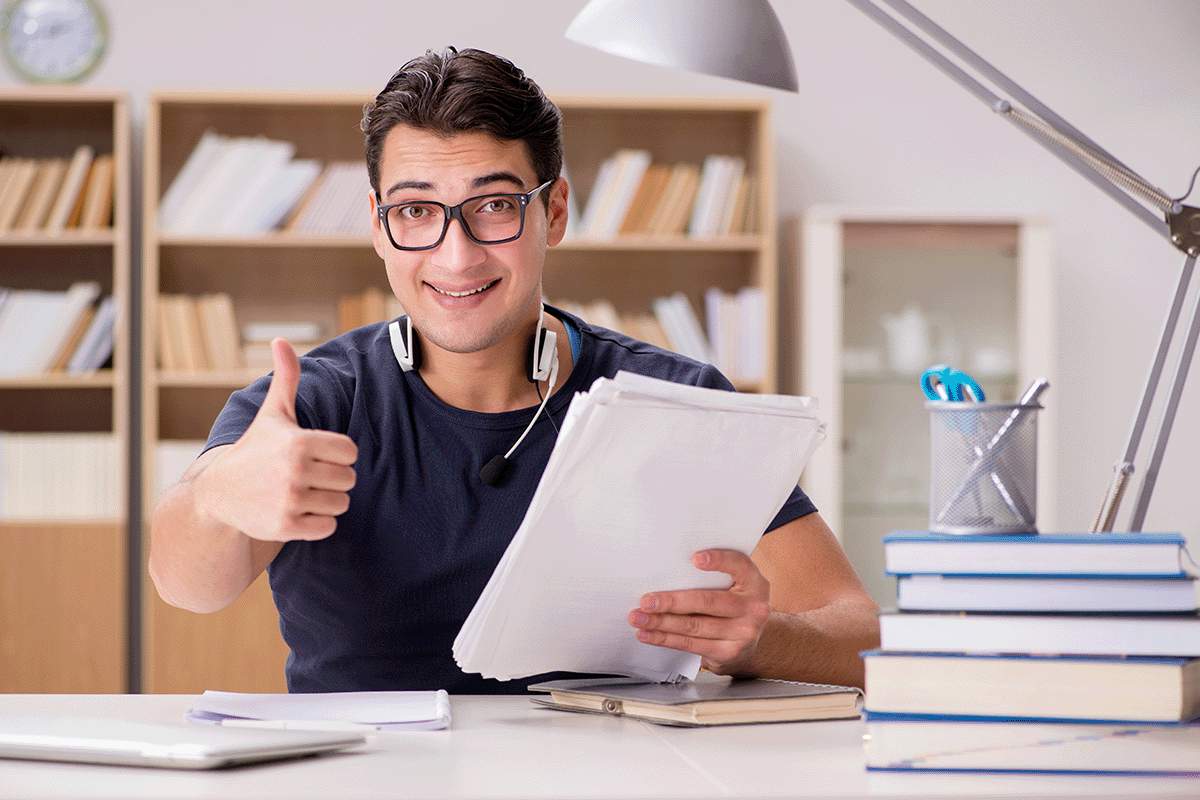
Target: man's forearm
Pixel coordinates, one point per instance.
(196, 562)
(818, 646)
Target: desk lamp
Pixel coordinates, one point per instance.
(743, 40)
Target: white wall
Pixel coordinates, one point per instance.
(872, 125)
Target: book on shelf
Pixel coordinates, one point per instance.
(45, 331)
(633, 196)
(197, 333)
(249, 185)
(734, 342)
(59, 476)
(367, 307)
(56, 194)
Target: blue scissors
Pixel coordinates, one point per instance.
(943, 382)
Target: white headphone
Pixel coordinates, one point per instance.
(543, 366)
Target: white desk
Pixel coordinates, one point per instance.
(505, 747)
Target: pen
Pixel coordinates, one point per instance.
(301, 724)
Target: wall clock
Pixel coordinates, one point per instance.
(53, 41)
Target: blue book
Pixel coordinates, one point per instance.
(1140, 555)
(1021, 747)
(976, 687)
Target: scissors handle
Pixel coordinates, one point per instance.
(943, 382)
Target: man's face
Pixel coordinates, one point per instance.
(419, 165)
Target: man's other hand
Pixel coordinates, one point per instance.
(722, 626)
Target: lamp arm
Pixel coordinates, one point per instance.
(1044, 126)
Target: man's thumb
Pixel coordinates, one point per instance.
(281, 396)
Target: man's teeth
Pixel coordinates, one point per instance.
(485, 287)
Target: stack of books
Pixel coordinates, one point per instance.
(60, 476)
(732, 336)
(250, 185)
(634, 197)
(54, 332)
(367, 307)
(197, 333)
(51, 195)
(1060, 653)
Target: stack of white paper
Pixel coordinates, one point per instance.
(379, 710)
(645, 473)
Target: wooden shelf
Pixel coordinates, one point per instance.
(286, 275)
(104, 379)
(747, 243)
(212, 379)
(52, 523)
(68, 238)
(64, 612)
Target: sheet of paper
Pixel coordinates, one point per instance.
(412, 710)
(645, 472)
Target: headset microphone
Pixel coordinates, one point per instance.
(543, 367)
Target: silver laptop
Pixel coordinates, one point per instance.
(182, 746)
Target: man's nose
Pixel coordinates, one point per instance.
(457, 251)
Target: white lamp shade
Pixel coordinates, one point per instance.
(739, 39)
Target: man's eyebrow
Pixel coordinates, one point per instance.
(481, 181)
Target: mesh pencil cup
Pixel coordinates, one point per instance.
(983, 467)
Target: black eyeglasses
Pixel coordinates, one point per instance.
(486, 219)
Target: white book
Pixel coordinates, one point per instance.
(962, 593)
(295, 179)
(72, 185)
(710, 177)
(752, 333)
(52, 331)
(714, 312)
(601, 187)
(198, 164)
(1090, 635)
(258, 185)
(298, 330)
(697, 343)
(580, 555)
(664, 311)
(636, 164)
(735, 168)
(217, 189)
(97, 343)
(355, 216)
(315, 211)
(26, 328)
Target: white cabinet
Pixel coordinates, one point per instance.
(883, 294)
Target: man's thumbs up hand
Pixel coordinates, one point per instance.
(280, 481)
(281, 396)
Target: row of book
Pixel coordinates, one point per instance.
(733, 338)
(632, 196)
(1067, 652)
(55, 194)
(60, 476)
(48, 332)
(246, 185)
(201, 333)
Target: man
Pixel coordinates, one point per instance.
(356, 484)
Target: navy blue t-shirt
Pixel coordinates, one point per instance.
(376, 606)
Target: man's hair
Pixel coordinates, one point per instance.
(466, 90)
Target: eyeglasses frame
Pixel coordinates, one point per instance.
(451, 213)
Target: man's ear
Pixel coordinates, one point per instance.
(378, 234)
(556, 215)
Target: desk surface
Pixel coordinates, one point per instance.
(504, 747)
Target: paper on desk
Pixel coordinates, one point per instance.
(645, 472)
(387, 710)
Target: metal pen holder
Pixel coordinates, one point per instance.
(983, 467)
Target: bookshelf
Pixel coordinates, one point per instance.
(63, 579)
(286, 275)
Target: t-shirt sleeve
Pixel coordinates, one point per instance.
(318, 405)
(798, 503)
